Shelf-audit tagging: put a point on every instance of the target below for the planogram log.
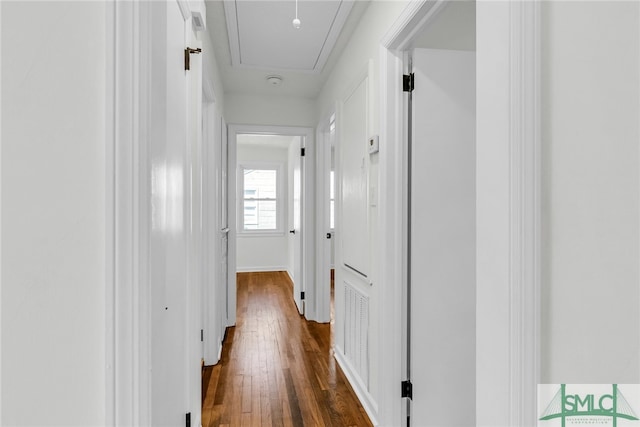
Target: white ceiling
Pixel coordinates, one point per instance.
(264, 42)
(261, 33)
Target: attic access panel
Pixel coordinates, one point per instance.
(261, 34)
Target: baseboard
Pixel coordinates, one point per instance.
(259, 269)
(219, 351)
(368, 403)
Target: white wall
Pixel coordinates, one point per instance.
(269, 110)
(53, 213)
(262, 252)
(591, 259)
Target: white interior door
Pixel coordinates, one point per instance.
(168, 263)
(442, 239)
(224, 302)
(296, 222)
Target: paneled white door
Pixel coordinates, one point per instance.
(168, 239)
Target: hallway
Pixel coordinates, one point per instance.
(277, 369)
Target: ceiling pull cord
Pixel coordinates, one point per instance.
(296, 21)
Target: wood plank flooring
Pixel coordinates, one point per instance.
(277, 369)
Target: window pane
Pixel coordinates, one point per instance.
(331, 214)
(332, 186)
(260, 215)
(260, 183)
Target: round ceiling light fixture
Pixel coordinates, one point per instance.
(296, 21)
(274, 80)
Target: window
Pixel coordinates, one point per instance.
(260, 204)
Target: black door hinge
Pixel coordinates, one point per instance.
(407, 389)
(302, 151)
(201, 335)
(302, 295)
(408, 83)
(187, 421)
(187, 56)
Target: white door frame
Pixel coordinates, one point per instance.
(508, 208)
(308, 220)
(127, 307)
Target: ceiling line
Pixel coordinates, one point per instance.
(327, 36)
(235, 6)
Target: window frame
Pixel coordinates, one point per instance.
(280, 200)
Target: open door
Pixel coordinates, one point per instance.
(296, 179)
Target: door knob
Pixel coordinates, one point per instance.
(292, 231)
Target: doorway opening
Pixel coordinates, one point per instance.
(271, 207)
(269, 180)
(439, 216)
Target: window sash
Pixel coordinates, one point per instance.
(265, 218)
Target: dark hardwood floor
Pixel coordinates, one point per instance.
(277, 369)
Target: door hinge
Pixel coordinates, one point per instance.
(302, 295)
(302, 151)
(407, 389)
(201, 335)
(408, 83)
(187, 421)
(187, 56)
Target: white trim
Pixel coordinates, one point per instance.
(416, 16)
(230, 14)
(525, 228)
(185, 10)
(336, 28)
(122, 350)
(108, 40)
(261, 268)
(127, 305)
(308, 224)
(508, 213)
(392, 237)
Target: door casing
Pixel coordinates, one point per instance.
(308, 220)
